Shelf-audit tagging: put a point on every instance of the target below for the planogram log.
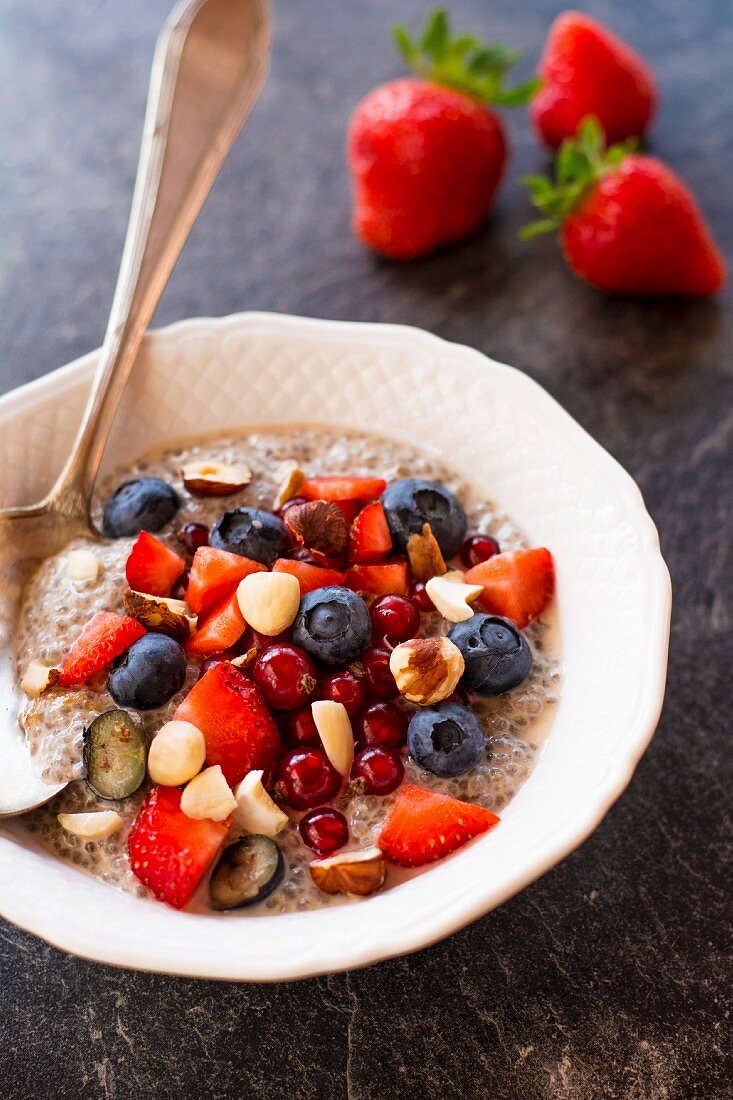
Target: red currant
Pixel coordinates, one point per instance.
(420, 598)
(344, 687)
(286, 675)
(373, 665)
(193, 535)
(378, 771)
(394, 619)
(383, 725)
(305, 778)
(478, 548)
(298, 729)
(324, 830)
(211, 662)
(178, 591)
(460, 695)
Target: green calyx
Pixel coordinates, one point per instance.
(580, 163)
(463, 62)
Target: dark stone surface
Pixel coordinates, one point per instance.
(609, 977)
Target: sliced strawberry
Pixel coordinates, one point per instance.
(342, 488)
(387, 579)
(239, 730)
(215, 574)
(309, 576)
(169, 852)
(518, 584)
(106, 636)
(222, 626)
(424, 826)
(369, 537)
(153, 567)
(350, 508)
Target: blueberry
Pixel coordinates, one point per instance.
(140, 504)
(497, 655)
(413, 502)
(252, 533)
(446, 740)
(149, 674)
(333, 625)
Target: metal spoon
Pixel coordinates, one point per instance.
(210, 63)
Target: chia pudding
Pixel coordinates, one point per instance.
(513, 723)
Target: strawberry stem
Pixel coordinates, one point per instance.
(463, 62)
(580, 163)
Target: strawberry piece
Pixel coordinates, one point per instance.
(518, 584)
(153, 567)
(350, 508)
(424, 826)
(369, 537)
(309, 576)
(221, 628)
(215, 574)
(106, 636)
(169, 852)
(387, 579)
(588, 70)
(231, 713)
(340, 489)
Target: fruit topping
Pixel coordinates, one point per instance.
(373, 666)
(208, 796)
(97, 825)
(420, 598)
(446, 740)
(452, 597)
(216, 574)
(215, 479)
(426, 670)
(319, 525)
(305, 778)
(251, 533)
(82, 565)
(170, 852)
(269, 601)
(377, 771)
(426, 559)
(356, 873)
(334, 730)
(518, 584)
(369, 537)
(38, 678)
(114, 755)
(412, 502)
(496, 654)
(298, 728)
(309, 576)
(248, 872)
(141, 503)
(382, 725)
(152, 567)
(256, 812)
(394, 619)
(239, 730)
(219, 629)
(193, 536)
(478, 548)
(344, 687)
(342, 488)
(177, 753)
(324, 830)
(104, 638)
(424, 826)
(289, 487)
(333, 625)
(160, 614)
(387, 579)
(286, 676)
(149, 674)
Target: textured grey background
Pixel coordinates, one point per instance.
(609, 977)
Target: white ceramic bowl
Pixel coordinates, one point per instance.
(497, 428)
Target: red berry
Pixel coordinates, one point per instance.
(193, 535)
(378, 770)
(373, 665)
(298, 729)
(460, 696)
(211, 662)
(478, 548)
(304, 778)
(420, 598)
(382, 725)
(394, 619)
(292, 503)
(179, 589)
(286, 675)
(346, 688)
(324, 830)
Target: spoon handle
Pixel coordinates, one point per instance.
(210, 63)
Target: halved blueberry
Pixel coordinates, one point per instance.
(251, 533)
(114, 754)
(446, 740)
(247, 872)
(497, 655)
(333, 625)
(413, 502)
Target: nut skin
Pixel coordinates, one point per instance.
(215, 479)
(269, 601)
(289, 487)
(426, 559)
(426, 670)
(320, 525)
(355, 873)
(161, 614)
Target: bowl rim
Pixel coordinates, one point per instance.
(442, 922)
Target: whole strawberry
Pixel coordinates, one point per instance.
(426, 155)
(628, 225)
(588, 70)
